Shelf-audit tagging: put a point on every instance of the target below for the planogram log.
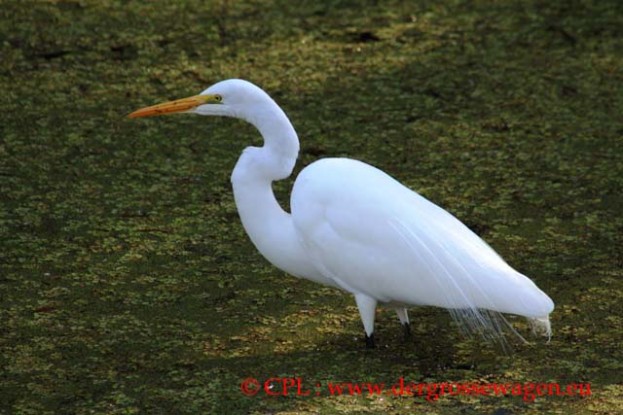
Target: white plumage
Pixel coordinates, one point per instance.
(354, 227)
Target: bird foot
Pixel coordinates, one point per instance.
(370, 341)
(406, 327)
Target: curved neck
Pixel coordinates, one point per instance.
(270, 227)
(276, 159)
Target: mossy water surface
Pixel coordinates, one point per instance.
(127, 284)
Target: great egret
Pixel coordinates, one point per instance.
(354, 227)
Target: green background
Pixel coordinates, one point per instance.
(127, 284)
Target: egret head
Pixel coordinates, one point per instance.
(233, 98)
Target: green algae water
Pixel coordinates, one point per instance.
(128, 286)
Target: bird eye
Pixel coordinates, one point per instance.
(218, 98)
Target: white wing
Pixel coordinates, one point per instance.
(372, 235)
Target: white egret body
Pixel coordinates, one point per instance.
(354, 227)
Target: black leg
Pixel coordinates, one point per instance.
(406, 327)
(370, 341)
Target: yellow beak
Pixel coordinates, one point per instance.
(179, 105)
